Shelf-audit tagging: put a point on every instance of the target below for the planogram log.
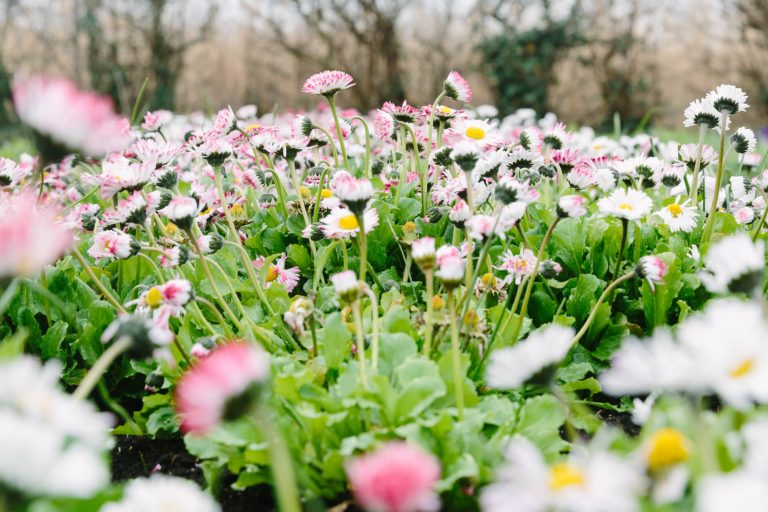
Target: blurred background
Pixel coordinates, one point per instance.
(589, 61)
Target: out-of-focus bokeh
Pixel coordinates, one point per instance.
(594, 62)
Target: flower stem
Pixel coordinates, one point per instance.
(360, 339)
(332, 104)
(374, 329)
(761, 222)
(284, 478)
(431, 122)
(367, 168)
(718, 180)
(694, 191)
(429, 276)
(532, 280)
(330, 143)
(458, 382)
(102, 364)
(622, 246)
(363, 246)
(297, 186)
(607, 292)
(107, 295)
(422, 174)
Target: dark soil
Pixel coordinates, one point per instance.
(141, 456)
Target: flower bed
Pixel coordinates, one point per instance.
(414, 309)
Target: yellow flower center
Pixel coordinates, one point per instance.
(304, 191)
(254, 126)
(675, 209)
(348, 222)
(471, 319)
(438, 303)
(409, 227)
(744, 368)
(445, 110)
(488, 279)
(326, 193)
(170, 228)
(272, 273)
(236, 209)
(626, 206)
(154, 297)
(564, 475)
(473, 132)
(668, 447)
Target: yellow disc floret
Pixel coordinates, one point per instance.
(667, 447)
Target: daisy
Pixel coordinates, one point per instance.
(743, 140)
(701, 112)
(679, 217)
(556, 137)
(327, 83)
(459, 213)
(480, 226)
(342, 223)
(300, 309)
(11, 173)
(588, 481)
(688, 155)
(466, 155)
(147, 335)
(404, 113)
(353, 192)
(181, 211)
(231, 372)
(288, 277)
(629, 204)
(518, 266)
(346, 285)
(118, 173)
(738, 490)
(396, 477)
(160, 493)
(456, 88)
(384, 126)
(78, 121)
(450, 270)
(727, 98)
(652, 269)
(423, 253)
(30, 236)
(173, 256)
(476, 131)
(582, 177)
(572, 206)
(511, 367)
(734, 264)
(523, 159)
(744, 215)
(113, 243)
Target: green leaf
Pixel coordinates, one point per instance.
(583, 297)
(540, 420)
(407, 210)
(299, 256)
(569, 238)
(50, 344)
(334, 340)
(420, 385)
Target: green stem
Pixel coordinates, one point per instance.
(532, 280)
(422, 173)
(431, 121)
(429, 276)
(363, 246)
(360, 339)
(608, 291)
(7, 296)
(694, 191)
(107, 295)
(374, 329)
(458, 381)
(332, 104)
(283, 475)
(102, 364)
(762, 217)
(330, 143)
(718, 180)
(318, 197)
(367, 168)
(297, 186)
(213, 309)
(622, 246)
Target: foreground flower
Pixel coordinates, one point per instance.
(327, 83)
(161, 493)
(30, 238)
(727, 98)
(221, 387)
(652, 269)
(511, 367)
(52, 443)
(572, 206)
(734, 264)
(586, 482)
(720, 350)
(342, 223)
(627, 204)
(397, 477)
(457, 88)
(77, 120)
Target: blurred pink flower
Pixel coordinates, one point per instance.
(397, 477)
(77, 120)
(227, 372)
(30, 236)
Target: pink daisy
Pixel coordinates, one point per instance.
(457, 88)
(288, 277)
(327, 83)
(226, 373)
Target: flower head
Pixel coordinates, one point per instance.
(423, 252)
(457, 88)
(346, 285)
(450, 270)
(734, 264)
(342, 223)
(161, 493)
(728, 98)
(221, 387)
(278, 273)
(743, 140)
(652, 269)
(396, 477)
(701, 112)
(629, 204)
(679, 217)
(327, 83)
(572, 206)
(30, 237)
(181, 211)
(113, 243)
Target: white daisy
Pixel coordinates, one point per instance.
(161, 493)
(342, 223)
(728, 98)
(734, 264)
(743, 140)
(679, 217)
(627, 204)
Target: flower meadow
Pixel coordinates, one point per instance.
(414, 309)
